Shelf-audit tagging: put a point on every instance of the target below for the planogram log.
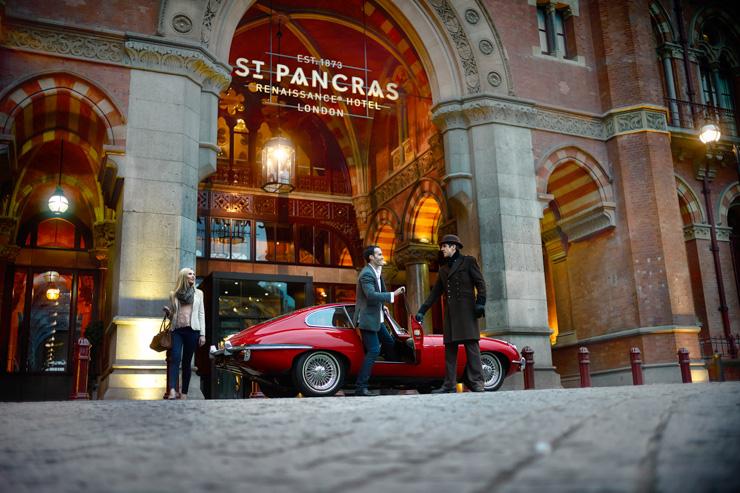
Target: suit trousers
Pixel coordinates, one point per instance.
(473, 368)
(373, 342)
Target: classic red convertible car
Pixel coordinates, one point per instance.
(316, 351)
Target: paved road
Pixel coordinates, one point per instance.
(665, 438)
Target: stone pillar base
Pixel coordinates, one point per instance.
(138, 373)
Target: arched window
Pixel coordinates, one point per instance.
(55, 232)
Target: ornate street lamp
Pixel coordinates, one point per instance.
(278, 165)
(58, 203)
(710, 133)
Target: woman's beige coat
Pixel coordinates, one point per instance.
(197, 317)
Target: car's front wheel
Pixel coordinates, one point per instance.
(493, 371)
(319, 373)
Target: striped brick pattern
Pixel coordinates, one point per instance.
(581, 158)
(690, 207)
(731, 193)
(573, 189)
(662, 22)
(426, 208)
(38, 108)
(382, 232)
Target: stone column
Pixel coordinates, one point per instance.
(505, 214)
(414, 257)
(171, 146)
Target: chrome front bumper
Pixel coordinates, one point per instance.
(229, 350)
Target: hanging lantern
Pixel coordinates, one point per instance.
(278, 165)
(52, 293)
(58, 203)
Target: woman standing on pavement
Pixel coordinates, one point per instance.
(188, 328)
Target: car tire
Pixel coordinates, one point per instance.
(273, 391)
(318, 374)
(493, 371)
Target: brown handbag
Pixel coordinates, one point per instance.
(162, 340)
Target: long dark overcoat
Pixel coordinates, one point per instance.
(463, 287)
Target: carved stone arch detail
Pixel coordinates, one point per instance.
(663, 22)
(425, 188)
(704, 14)
(692, 210)
(728, 195)
(38, 86)
(584, 160)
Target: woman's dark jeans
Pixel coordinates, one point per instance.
(184, 342)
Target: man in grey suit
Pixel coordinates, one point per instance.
(369, 318)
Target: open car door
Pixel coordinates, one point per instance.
(411, 341)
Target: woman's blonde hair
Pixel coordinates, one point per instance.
(182, 280)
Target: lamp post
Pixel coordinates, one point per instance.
(709, 135)
(58, 203)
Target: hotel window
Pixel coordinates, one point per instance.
(230, 239)
(200, 237)
(55, 232)
(556, 31)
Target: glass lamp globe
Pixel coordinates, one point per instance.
(58, 203)
(710, 133)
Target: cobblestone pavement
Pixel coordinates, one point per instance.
(665, 438)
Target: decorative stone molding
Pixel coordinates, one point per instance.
(670, 50)
(589, 222)
(135, 51)
(472, 16)
(554, 244)
(485, 47)
(182, 23)
(415, 252)
(464, 50)
(406, 176)
(493, 109)
(494, 79)
(703, 232)
(209, 14)
(635, 119)
(64, 41)
(144, 53)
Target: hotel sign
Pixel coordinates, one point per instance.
(344, 93)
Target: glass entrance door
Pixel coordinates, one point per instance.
(49, 310)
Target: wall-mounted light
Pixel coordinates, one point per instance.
(710, 133)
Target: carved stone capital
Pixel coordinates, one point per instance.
(589, 222)
(8, 227)
(8, 253)
(192, 62)
(696, 232)
(639, 119)
(415, 252)
(363, 207)
(104, 234)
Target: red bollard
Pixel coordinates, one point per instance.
(82, 362)
(636, 362)
(685, 363)
(528, 354)
(583, 366)
(256, 392)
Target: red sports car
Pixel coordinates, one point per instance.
(317, 351)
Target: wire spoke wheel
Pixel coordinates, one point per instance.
(319, 373)
(493, 371)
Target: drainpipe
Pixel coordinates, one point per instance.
(717, 266)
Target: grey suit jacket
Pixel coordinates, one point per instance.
(369, 300)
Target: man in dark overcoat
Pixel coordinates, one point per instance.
(461, 282)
